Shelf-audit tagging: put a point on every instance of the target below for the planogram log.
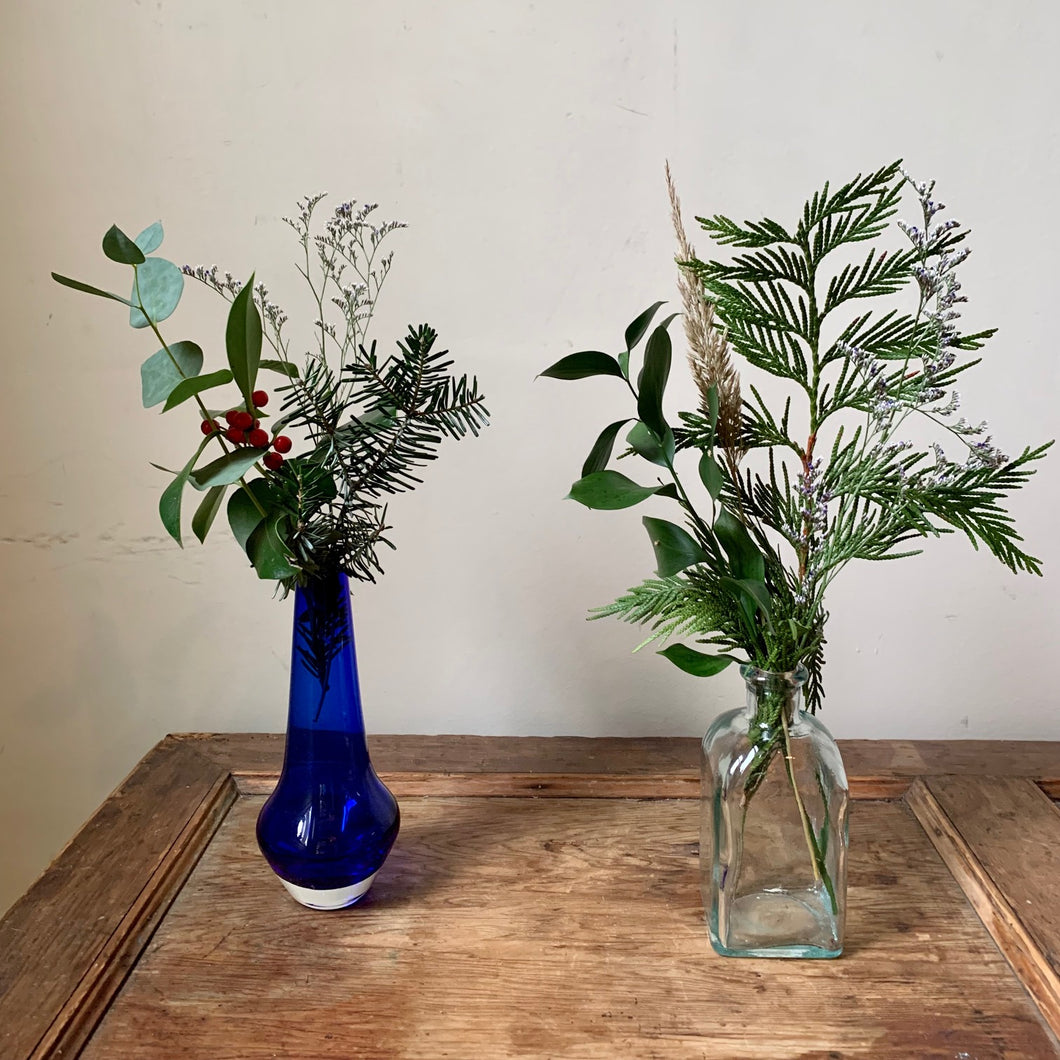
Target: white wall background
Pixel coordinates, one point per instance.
(524, 143)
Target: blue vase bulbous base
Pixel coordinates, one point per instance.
(331, 898)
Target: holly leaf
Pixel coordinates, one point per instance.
(170, 502)
(243, 340)
(207, 511)
(190, 387)
(226, 469)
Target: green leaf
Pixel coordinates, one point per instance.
(159, 375)
(582, 365)
(243, 340)
(751, 595)
(601, 450)
(77, 285)
(636, 330)
(266, 550)
(669, 490)
(712, 475)
(190, 387)
(120, 248)
(623, 363)
(609, 491)
(745, 560)
(157, 287)
(283, 367)
(653, 379)
(696, 663)
(169, 503)
(645, 443)
(243, 514)
(675, 548)
(207, 511)
(713, 406)
(226, 469)
(150, 239)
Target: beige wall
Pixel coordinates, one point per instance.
(524, 143)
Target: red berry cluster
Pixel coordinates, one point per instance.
(243, 429)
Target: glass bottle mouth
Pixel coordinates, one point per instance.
(774, 680)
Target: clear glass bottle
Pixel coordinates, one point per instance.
(774, 826)
(328, 826)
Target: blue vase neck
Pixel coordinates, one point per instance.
(325, 693)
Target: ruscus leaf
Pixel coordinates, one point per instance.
(745, 560)
(696, 663)
(602, 448)
(653, 379)
(675, 548)
(712, 475)
(645, 443)
(637, 329)
(609, 491)
(582, 365)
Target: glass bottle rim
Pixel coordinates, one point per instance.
(795, 679)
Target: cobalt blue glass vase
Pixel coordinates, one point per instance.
(330, 823)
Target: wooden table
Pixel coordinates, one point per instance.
(542, 901)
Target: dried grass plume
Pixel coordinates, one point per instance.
(708, 348)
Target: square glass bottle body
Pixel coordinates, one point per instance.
(773, 826)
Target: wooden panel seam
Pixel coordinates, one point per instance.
(78, 1017)
(1028, 962)
(560, 785)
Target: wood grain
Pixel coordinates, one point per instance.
(1000, 837)
(65, 947)
(77, 915)
(876, 768)
(521, 927)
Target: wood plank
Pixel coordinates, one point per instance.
(563, 785)
(521, 927)
(77, 914)
(884, 761)
(1000, 838)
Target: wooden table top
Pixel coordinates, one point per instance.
(542, 900)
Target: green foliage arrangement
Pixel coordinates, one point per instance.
(368, 421)
(794, 493)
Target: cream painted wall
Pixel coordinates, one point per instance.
(524, 144)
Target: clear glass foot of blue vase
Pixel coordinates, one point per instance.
(330, 823)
